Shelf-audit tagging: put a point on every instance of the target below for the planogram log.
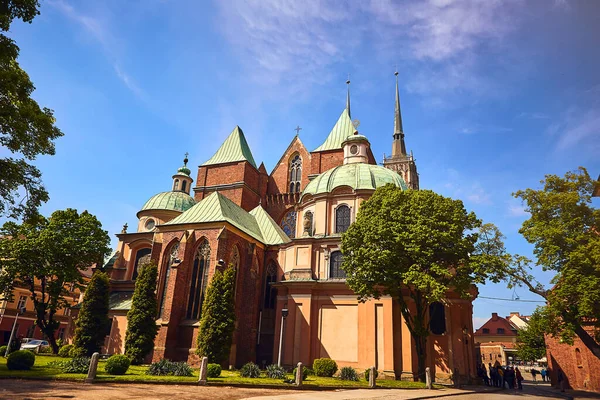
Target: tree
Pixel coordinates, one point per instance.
(141, 318)
(564, 229)
(25, 128)
(531, 345)
(218, 317)
(47, 256)
(92, 323)
(415, 246)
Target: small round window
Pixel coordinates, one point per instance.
(353, 149)
(150, 224)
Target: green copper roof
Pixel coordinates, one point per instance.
(120, 301)
(109, 261)
(271, 232)
(234, 148)
(175, 201)
(341, 130)
(357, 176)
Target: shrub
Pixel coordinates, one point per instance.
(275, 371)
(141, 318)
(45, 350)
(78, 365)
(166, 367)
(14, 345)
(3, 350)
(368, 371)
(325, 367)
(60, 343)
(306, 371)
(348, 374)
(92, 323)
(65, 351)
(117, 364)
(250, 370)
(213, 371)
(77, 352)
(20, 360)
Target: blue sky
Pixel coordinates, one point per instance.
(494, 94)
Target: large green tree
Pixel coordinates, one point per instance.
(26, 130)
(92, 323)
(218, 317)
(531, 345)
(414, 246)
(47, 256)
(141, 318)
(564, 228)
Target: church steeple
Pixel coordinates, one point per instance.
(182, 181)
(348, 97)
(398, 146)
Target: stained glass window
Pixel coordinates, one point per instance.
(136, 265)
(288, 224)
(270, 292)
(172, 256)
(342, 219)
(295, 173)
(335, 265)
(199, 281)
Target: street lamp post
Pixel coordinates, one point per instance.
(284, 314)
(12, 332)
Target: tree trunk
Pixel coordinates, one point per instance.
(421, 347)
(588, 341)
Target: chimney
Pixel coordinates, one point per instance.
(494, 316)
(515, 313)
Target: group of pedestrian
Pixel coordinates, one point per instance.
(544, 373)
(501, 377)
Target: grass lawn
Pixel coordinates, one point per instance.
(41, 370)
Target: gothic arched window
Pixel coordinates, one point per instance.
(295, 173)
(169, 261)
(234, 261)
(437, 318)
(270, 279)
(288, 223)
(342, 219)
(136, 265)
(335, 265)
(199, 281)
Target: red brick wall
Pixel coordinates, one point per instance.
(493, 324)
(279, 179)
(582, 373)
(325, 160)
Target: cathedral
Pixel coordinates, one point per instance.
(281, 231)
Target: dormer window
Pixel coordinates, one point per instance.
(500, 331)
(295, 173)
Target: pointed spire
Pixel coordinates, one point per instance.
(348, 97)
(398, 147)
(234, 148)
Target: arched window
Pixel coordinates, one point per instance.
(335, 265)
(136, 265)
(176, 185)
(578, 358)
(437, 318)
(342, 219)
(199, 281)
(183, 186)
(169, 261)
(234, 261)
(288, 223)
(270, 292)
(295, 173)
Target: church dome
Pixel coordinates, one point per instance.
(358, 176)
(173, 201)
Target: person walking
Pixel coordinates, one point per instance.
(534, 373)
(493, 375)
(543, 373)
(484, 374)
(561, 380)
(519, 377)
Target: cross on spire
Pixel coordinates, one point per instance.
(348, 97)
(297, 129)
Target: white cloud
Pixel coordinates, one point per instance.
(577, 126)
(458, 187)
(516, 209)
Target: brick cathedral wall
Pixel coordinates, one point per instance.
(325, 160)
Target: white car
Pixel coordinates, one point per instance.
(34, 345)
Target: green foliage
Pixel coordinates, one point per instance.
(368, 372)
(3, 350)
(14, 345)
(92, 323)
(414, 244)
(20, 360)
(46, 257)
(45, 350)
(166, 367)
(141, 318)
(77, 352)
(250, 370)
(276, 372)
(65, 351)
(117, 364)
(77, 365)
(531, 345)
(25, 128)
(306, 371)
(348, 374)
(218, 317)
(213, 370)
(325, 367)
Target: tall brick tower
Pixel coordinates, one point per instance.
(400, 161)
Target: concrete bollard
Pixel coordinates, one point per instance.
(456, 378)
(372, 377)
(428, 378)
(92, 368)
(299, 371)
(203, 371)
